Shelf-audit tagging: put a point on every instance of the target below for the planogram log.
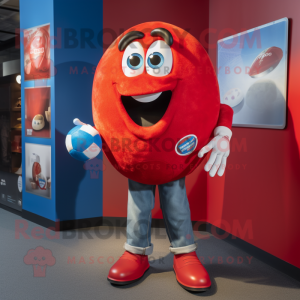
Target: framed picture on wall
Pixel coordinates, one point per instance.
(252, 75)
(37, 60)
(38, 169)
(38, 112)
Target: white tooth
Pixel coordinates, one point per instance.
(146, 98)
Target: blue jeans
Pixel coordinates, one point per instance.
(176, 212)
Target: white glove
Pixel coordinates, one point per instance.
(220, 146)
(77, 122)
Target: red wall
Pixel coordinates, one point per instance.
(191, 15)
(262, 190)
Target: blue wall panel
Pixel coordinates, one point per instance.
(78, 194)
(75, 193)
(34, 13)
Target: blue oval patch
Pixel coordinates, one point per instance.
(186, 145)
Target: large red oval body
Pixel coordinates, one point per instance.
(148, 154)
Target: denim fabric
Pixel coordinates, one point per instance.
(175, 209)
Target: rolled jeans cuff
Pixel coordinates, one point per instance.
(139, 250)
(185, 249)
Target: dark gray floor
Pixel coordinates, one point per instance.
(86, 280)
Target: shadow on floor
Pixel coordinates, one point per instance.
(255, 273)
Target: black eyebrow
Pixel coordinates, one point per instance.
(164, 33)
(128, 38)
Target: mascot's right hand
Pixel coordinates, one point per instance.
(83, 142)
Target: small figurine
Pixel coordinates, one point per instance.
(38, 122)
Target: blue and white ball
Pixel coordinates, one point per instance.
(83, 142)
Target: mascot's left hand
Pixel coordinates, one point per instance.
(220, 146)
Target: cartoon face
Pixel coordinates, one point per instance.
(154, 87)
(38, 122)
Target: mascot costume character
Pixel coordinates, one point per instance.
(156, 106)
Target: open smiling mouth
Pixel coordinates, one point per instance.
(147, 110)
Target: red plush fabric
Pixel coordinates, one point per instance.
(226, 115)
(147, 154)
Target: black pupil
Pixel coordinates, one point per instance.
(134, 60)
(155, 59)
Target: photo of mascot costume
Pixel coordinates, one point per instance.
(156, 106)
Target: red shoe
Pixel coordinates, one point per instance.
(190, 273)
(128, 269)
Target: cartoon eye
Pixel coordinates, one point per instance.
(34, 122)
(43, 258)
(133, 60)
(159, 59)
(35, 258)
(155, 60)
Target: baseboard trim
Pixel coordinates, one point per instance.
(42, 221)
(260, 254)
(11, 210)
(80, 223)
(62, 225)
(256, 252)
(58, 225)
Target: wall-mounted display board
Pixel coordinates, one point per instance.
(37, 60)
(252, 74)
(38, 112)
(38, 169)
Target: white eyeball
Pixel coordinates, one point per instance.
(133, 60)
(159, 59)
